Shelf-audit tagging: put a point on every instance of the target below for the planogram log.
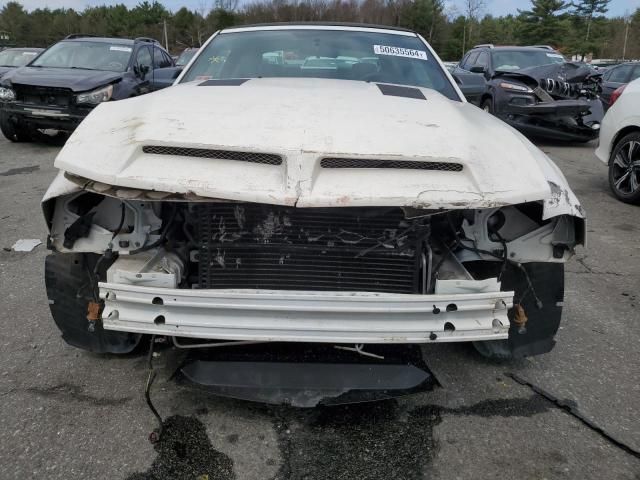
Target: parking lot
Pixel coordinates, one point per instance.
(68, 414)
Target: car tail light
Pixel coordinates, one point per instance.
(616, 94)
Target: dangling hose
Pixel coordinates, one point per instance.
(154, 436)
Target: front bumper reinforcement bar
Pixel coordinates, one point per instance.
(298, 316)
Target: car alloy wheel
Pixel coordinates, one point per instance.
(624, 169)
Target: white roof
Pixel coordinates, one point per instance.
(346, 28)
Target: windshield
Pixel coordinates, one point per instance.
(185, 56)
(336, 54)
(106, 56)
(512, 60)
(16, 58)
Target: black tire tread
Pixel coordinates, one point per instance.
(69, 289)
(13, 132)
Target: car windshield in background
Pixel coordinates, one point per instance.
(512, 60)
(105, 56)
(16, 58)
(185, 57)
(335, 54)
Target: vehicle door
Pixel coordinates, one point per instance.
(635, 74)
(143, 69)
(165, 72)
(458, 68)
(482, 61)
(612, 80)
(469, 61)
(472, 85)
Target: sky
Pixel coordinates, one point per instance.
(494, 7)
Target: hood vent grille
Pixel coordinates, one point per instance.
(251, 157)
(393, 164)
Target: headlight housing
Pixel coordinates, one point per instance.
(95, 97)
(515, 87)
(7, 94)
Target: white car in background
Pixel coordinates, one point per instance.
(620, 142)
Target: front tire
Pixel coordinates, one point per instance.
(70, 288)
(14, 131)
(624, 169)
(487, 105)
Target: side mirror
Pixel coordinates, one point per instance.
(478, 69)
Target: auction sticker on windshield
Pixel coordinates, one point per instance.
(115, 48)
(399, 52)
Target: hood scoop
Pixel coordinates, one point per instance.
(251, 157)
(228, 82)
(399, 91)
(394, 164)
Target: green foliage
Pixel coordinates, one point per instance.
(590, 8)
(543, 23)
(577, 27)
(425, 16)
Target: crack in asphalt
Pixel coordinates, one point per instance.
(590, 270)
(67, 391)
(615, 274)
(19, 171)
(571, 407)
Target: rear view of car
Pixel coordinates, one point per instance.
(614, 80)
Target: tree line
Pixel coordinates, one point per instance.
(576, 28)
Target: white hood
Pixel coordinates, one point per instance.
(305, 120)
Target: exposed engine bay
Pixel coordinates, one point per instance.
(204, 272)
(254, 246)
(559, 100)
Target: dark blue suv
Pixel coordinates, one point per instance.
(65, 82)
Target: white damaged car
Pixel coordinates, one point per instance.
(267, 206)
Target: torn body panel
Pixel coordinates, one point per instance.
(112, 223)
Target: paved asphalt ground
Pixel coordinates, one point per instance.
(67, 414)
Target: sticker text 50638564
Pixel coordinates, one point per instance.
(399, 52)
